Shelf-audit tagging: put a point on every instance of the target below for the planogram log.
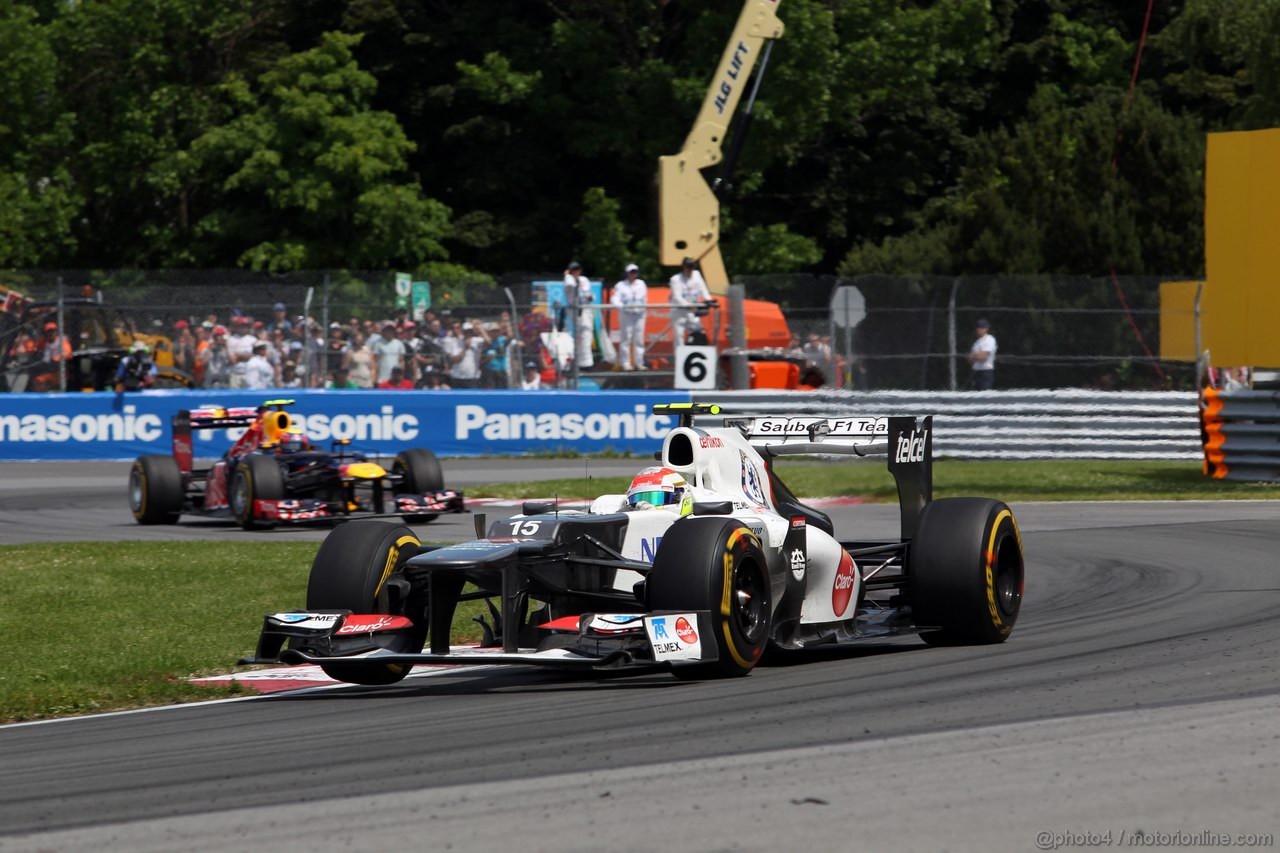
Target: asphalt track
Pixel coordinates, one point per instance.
(1139, 693)
(85, 501)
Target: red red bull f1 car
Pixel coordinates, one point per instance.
(273, 475)
(707, 560)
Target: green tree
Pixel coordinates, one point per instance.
(606, 246)
(139, 78)
(771, 249)
(306, 173)
(1107, 185)
(38, 198)
(1220, 59)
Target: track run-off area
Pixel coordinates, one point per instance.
(1138, 698)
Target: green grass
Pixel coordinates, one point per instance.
(1066, 480)
(104, 626)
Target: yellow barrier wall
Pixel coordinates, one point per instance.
(1178, 320)
(1241, 303)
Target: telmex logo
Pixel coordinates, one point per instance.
(504, 426)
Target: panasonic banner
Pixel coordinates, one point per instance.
(382, 423)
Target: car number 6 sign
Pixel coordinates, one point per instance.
(696, 368)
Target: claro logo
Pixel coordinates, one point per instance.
(477, 421)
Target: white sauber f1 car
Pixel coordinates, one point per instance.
(707, 560)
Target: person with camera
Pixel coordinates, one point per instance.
(184, 347)
(259, 373)
(493, 361)
(215, 360)
(136, 370)
(577, 289)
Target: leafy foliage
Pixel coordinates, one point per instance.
(943, 137)
(605, 243)
(305, 164)
(38, 199)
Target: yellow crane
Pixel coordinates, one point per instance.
(688, 207)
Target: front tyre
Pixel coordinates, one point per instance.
(350, 572)
(966, 570)
(715, 564)
(155, 490)
(256, 478)
(420, 473)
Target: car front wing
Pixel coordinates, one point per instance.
(659, 639)
(313, 509)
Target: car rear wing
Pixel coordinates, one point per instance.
(209, 417)
(907, 441)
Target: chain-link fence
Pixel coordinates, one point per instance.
(320, 327)
(916, 332)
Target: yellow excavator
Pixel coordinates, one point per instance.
(96, 335)
(689, 206)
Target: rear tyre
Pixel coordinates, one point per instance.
(421, 473)
(715, 564)
(155, 490)
(966, 570)
(350, 572)
(256, 478)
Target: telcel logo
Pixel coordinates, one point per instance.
(911, 446)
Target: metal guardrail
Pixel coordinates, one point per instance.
(1063, 424)
(1240, 431)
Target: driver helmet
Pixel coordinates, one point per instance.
(139, 348)
(660, 487)
(292, 440)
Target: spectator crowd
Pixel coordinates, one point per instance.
(284, 351)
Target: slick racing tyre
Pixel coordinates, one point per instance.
(155, 490)
(715, 564)
(966, 571)
(420, 472)
(256, 478)
(351, 572)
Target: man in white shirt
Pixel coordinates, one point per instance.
(258, 372)
(577, 289)
(982, 357)
(240, 349)
(389, 350)
(687, 288)
(631, 295)
(463, 348)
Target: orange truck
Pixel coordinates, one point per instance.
(768, 338)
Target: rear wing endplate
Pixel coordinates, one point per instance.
(907, 441)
